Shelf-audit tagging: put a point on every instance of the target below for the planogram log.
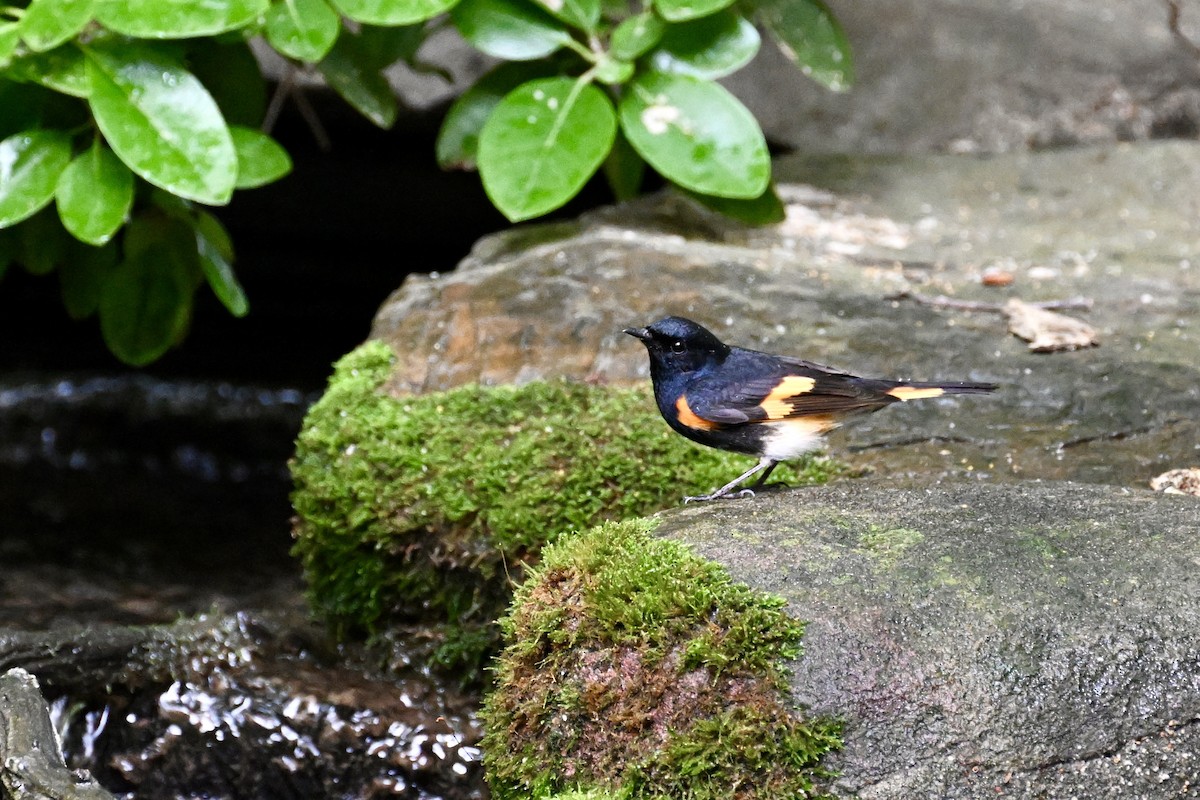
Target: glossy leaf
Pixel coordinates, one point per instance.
(542, 143)
(230, 73)
(681, 10)
(81, 278)
(48, 23)
(10, 35)
(710, 47)
(177, 19)
(261, 160)
(353, 75)
(146, 300)
(582, 14)
(458, 139)
(303, 29)
(637, 35)
(30, 163)
(392, 12)
(161, 122)
(94, 195)
(62, 69)
(811, 37)
(697, 134)
(216, 255)
(509, 29)
(613, 71)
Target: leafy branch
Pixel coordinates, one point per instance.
(133, 116)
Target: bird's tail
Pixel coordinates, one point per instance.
(916, 390)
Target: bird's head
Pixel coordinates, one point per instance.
(677, 345)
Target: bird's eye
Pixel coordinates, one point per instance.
(678, 347)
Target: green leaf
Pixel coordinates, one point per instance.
(509, 29)
(48, 23)
(261, 160)
(458, 140)
(146, 300)
(680, 10)
(303, 29)
(637, 35)
(177, 19)
(81, 278)
(709, 47)
(62, 70)
(349, 70)
(392, 12)
(231, 74)
(582, 14)
(216, 254)
(811, 37)
(10, 35)
(696, 134)
(542, 143)
(94, 195)
(612, 71)
(30, 163)
(161, 122)
(766, 209)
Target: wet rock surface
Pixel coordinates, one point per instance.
(1024, 640)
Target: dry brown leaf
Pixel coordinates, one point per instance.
(1047, 331)
(1178, 481)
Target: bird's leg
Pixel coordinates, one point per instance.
(724, 491)
(763, 478)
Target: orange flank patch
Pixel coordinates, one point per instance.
(777, 404)
(915, 393)
(689, 418)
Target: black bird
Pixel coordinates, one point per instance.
(772, 407)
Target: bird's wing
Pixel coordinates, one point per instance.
(779, 389)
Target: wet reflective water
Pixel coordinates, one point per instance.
(128, 500)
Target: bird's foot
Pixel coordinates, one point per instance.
(718, 495)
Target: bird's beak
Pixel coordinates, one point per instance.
(639, 333)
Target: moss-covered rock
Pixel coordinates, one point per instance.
(429, 507)
(635, 668)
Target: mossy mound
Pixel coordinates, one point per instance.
(636, 668)
(428, 508)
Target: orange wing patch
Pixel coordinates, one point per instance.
(914, 393)
(777, 404)
(689, 418)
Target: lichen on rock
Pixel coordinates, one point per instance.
(638, 669)
(428, 508)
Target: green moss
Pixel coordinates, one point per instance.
(428, 508)
(635, 667)
(888, 545)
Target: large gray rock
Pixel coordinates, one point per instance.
(1039, 640)
(987, 77)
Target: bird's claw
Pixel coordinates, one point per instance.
(703, 498)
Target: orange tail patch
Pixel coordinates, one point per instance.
(914, 393)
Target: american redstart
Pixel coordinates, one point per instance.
(764, 405)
